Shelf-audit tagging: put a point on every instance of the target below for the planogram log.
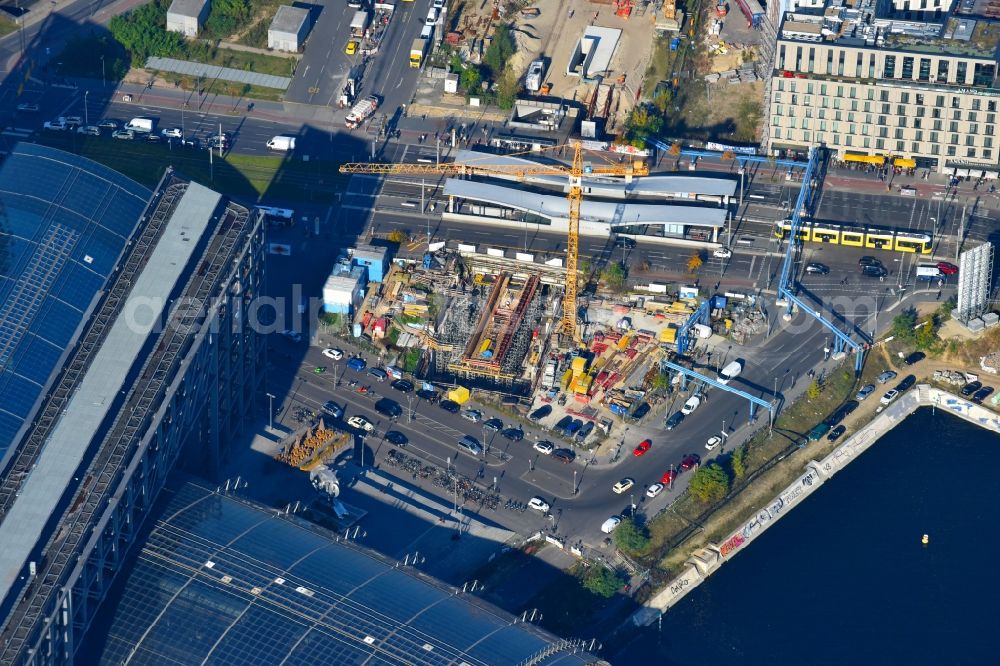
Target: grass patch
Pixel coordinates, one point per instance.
(7, 26)
(256, 36)
(660, 64)
(250, 62)
(245, 176)
(411, 360)
(230, 88)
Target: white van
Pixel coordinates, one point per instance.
(282, 143)
(931, 272)
(432, 17)
(730, 372)
(143, 125)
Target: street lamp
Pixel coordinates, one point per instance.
(270, 411)
(575, 487)
(104, 79)
(86, 114)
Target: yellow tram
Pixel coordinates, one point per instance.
(852, 235)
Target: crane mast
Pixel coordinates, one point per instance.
(573, 241)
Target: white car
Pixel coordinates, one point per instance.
(91, 130)
(335, 354)
(539, 504)
(73, 120)
(623, 485)
(610, 524)
(57, 125)
(544, 447)
(361, 423)
(473, 415)
(654, 490)
(294, 336)
(713, 442)
(722, 253)
(692, 404)
(172, 133)
(889, 396)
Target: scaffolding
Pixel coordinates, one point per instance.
(765, 67)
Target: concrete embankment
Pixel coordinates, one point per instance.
(709, 559)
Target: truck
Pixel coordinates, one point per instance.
(144, 125)
(361, 112)
(285, 144)
(533, 79)
(359, 23)
(417, 52)
(549, 376)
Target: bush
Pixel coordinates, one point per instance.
(710, 483)
(141, 32)
(227, 17)
(501, 48)
(738, 461)
(630, 537)
(602, 581)
(614, 276)
(471, 80)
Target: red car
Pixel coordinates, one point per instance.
(643, 447)
(690, 461)
(668, 477)
(946, 268)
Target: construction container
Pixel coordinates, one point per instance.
(578, 366)
(459, 394)
(667, 335)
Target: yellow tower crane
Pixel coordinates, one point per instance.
(575, 173)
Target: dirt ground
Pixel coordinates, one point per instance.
(719, 112)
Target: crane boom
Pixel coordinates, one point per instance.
(573, 241)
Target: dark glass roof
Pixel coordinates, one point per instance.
(64, 221)
(222, 581)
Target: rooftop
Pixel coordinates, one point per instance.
(289, 19)
(191, 8)
(65, 221)
(610, 212)
(221, 580)
(344, 277)
(41, 492)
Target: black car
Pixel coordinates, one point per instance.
(564, 456)
(402, 385)
(513, 434)
(817, 268)
(388, 407)
(540, 413)
(971, 388)
(396, 437)
(836, 433)
(841, 413)
(450, 406)
(641, 411)
(429, 396)
(624, 242)
(563, 424)
(906, 383)
(494, 424)
(982, 394)
(915, 357)
(868, 261)
(673, 421)
(585, 431)
(874, 271)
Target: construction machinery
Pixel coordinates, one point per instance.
(574, 172)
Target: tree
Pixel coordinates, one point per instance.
(630, 537)
(694, 262)
(738, 461)
(661, 381)
(663, 100)
(501, 48)
(508, 88)
(902, 325)
(642, 123)
(471, 79)
(814, 390)
(614, 276)
(141, 33)
(925, 337)
(227, 16)
(710, 483)
(602, 581)
(398, 236)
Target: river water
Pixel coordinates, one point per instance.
(843, 578)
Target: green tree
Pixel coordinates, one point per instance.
(141, 32)
(814, 390)
(663, 101)
(501, 48)
(925, 337)
(227, 16)
(613, 275)
(738, 461)
(630, 537)
(902, 325)
(642, 123)
(471, 79)
(661, 381)
(710, 483)
(602, 581)
(508, 88)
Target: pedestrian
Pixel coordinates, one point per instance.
(938, 297)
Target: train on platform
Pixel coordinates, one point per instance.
(852, 235)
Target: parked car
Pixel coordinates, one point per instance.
(333, 409)
(397, 438)
(562, 424)
(641, 410)
(868, 260)
(450, 406)
(513, 434)
(565, 456)
(623, 485)
(674, 421)
(538, 504)
(357, 364)
(690, 460)
(473, 415)
(123, 134)
(654, 490)
(388, 407)
(692, 404)
(378, 373)
(428, 395)
(574, 425)
(402, 385)
(889, 396)
(543, 446)
(153, 138)
(109, 123)
(713, 442)
(817, 268)
(886, 377)
(58, 125)
(915, 357)
(906, 383)
(982, 394)
(722, 253)
(971, 388)
(609, 525)
(335, 354)
(947, 268)
(89, 130)
(540, 413)
(584, 432)
(73, 121)
(817, 433)
(294, 336)
(172, 132)
(865, 391)
(836, 433)
(668, 477)
(494, 424)
(643, 447)
(361, 423)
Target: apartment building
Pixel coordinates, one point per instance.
(913, 92)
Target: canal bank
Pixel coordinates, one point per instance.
(710, 559)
